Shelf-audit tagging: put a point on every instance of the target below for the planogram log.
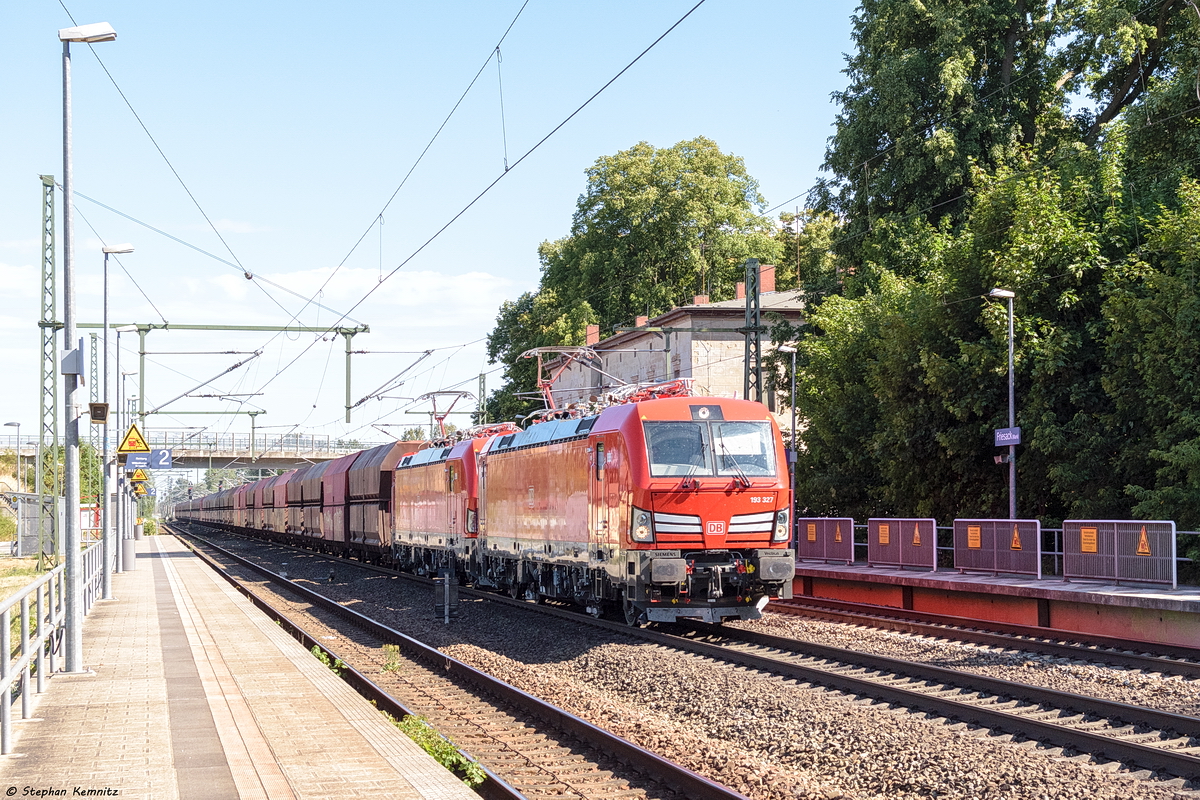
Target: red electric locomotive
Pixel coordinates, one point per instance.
(673, 508)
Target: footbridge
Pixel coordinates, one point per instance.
(240, 451)
(192, 450)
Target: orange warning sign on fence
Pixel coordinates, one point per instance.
(837, 532)
(1088, 540)
(812, 531)
(916, 535)
(974, 537)
(885, 532)
(133, 442)
(1015, 544)
(1143, 548)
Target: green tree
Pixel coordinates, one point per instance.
(901, 386)
(654, 227)
(1153, 362)
(936, 87)
(223, 478)
(538, 319)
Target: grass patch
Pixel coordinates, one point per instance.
(335, 665)
(391, 658)
(16, 574)
(442, 749)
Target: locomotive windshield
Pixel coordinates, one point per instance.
(691, 449)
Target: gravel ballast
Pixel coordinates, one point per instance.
(765, 736)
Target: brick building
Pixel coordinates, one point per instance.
(700, 341)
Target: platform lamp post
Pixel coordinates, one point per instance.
(73, 362)
(1005, 294)
(17, 425)
(109, 468)
(791, 456)
(118, 481)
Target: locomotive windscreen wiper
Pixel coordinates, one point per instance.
(741, 476)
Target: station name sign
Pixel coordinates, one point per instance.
(1007, 436)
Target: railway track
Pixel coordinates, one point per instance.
(1147, 738)
(1148, 656)
(528, 748)
(1142, 738)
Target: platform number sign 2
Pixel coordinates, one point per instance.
(160, 459)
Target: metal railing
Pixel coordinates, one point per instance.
(41, 635)
(1051, 550)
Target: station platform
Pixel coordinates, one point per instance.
(188, 691)
(1162, 615)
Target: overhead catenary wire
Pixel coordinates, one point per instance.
(166, 160)
(421, 157)
(502, 175)
(258, 278)
(132, 280)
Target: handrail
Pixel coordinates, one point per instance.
(43, 643)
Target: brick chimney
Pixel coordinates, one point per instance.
(766, 278)
(741, 291)
(640, 322)
(700, 300)
(593, 335)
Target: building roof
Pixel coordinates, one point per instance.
(789, 302)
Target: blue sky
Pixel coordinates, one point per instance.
(293, 123)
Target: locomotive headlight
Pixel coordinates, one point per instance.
(782, 533)
(641, 529)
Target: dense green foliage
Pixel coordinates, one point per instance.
(654, 227)
(1025, 146)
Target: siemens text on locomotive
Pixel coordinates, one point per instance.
(664, 508)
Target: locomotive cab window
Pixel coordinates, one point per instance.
(744, 446)
(599, 461)
(691, 449)
(678, 448)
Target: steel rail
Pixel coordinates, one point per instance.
(1182, 764)
(1150, 656)
(689, 784)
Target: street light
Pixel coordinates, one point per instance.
(17, 425)
(73, 364)
(1005, 294)
(791, 457)
(120, 528)
(109, 468)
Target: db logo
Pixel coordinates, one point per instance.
(714, 528)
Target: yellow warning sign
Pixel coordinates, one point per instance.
(1015, 544)
(139, 488)
(133, 442)
(139, 475)
(1088, 540)
(916, 535)
(885, 533)
(812, 531)
(1143, 548)
(837, 533)
(974, 537)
